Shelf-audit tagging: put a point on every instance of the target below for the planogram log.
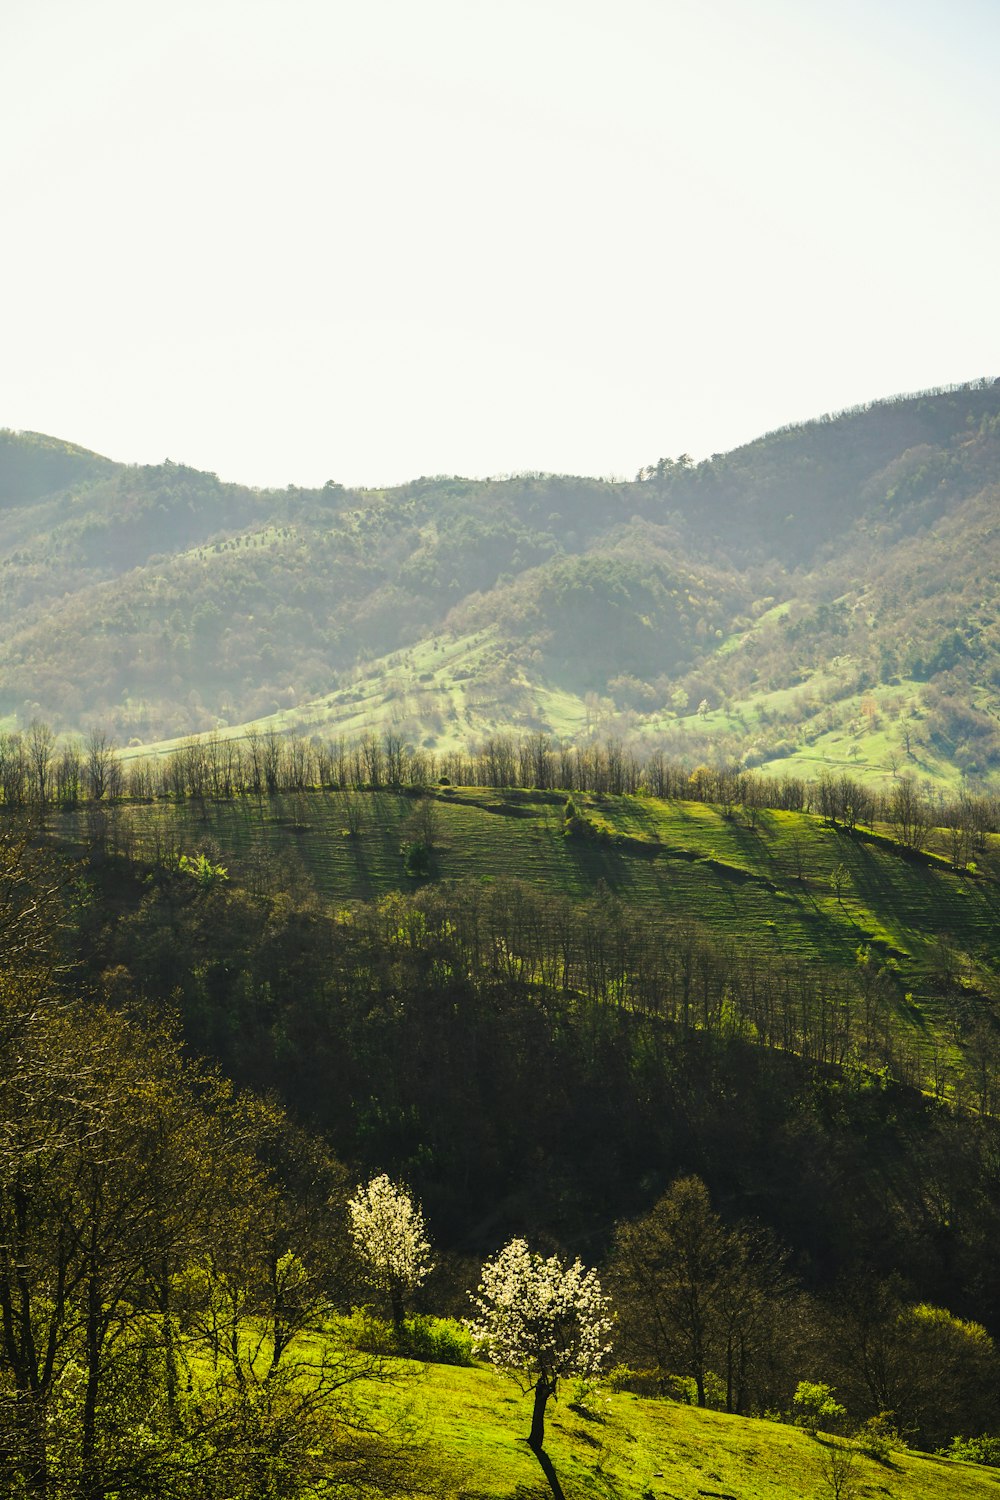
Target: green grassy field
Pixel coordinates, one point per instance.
(627, 1447)
(770, 887)
(441, 693)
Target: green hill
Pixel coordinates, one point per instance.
(826, 596)
(33, 465)
(627, 1447)
(767, 883)
(540, 1011)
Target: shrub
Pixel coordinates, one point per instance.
(581, 825)
(684, 1389)
(417, 859)
(813, 1406)
(362, 1330)
(974, 1450)
(435, 1341)
(877, 1437)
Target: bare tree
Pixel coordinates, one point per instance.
(41, 744)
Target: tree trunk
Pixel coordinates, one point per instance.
(544, 1388)
(169, 1345)
(91, 1487)
(396, 1306)
(30, 1437)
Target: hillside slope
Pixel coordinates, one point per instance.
(827, 593)
(633, 1448)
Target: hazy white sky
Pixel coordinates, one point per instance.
(292, 240)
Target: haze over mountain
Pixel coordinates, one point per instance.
(824, 595)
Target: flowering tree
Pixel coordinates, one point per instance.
(540, 1319)
(387, 1231)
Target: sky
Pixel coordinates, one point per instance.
(365, 240)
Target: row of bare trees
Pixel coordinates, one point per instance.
(677, 979)
(38, 770)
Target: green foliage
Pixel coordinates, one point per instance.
(418, 858)
(202, 870)
(440, 1341)
(584, 824)
(814, 1407)
(878, 1436)
(974, 1450)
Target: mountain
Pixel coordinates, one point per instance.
(826, 595)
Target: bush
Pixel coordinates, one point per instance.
(878, 1436)
(684, 1389)
(438, 1341)
(580, 825)
(648, 1382)
(813, 1406)
(435, 1341)
(417, 859)
(974, 1450)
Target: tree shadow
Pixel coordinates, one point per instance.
(547, 1468)
(597, 862)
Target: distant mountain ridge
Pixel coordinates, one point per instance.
(824, 596)
(33, 464)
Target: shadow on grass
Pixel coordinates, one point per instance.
(833, 1445)
(365, 883)
(548, 1469)
(597, 863)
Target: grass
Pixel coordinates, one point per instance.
(442, 693)
(627, 1447)
(450, 691)
(769, 887)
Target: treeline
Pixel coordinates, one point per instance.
(39, 771)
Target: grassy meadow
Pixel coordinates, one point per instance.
(779, 882)
(626, 1447)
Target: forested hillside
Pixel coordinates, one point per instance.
(735, 1045)
(825, 596)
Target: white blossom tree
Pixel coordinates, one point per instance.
(540, 1320)
(387, 1231)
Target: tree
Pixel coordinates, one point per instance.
(387, 1230)
(837, 1466)
(540, 1320)
(840, 881)
(937, 1373)
(670, 1269)
(908, 814)
(164, 1270)
(109, 1154)
(698, 1296)
(41, 746)
(100, 764)
(814, 1406)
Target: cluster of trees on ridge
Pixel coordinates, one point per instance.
(38, 770)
